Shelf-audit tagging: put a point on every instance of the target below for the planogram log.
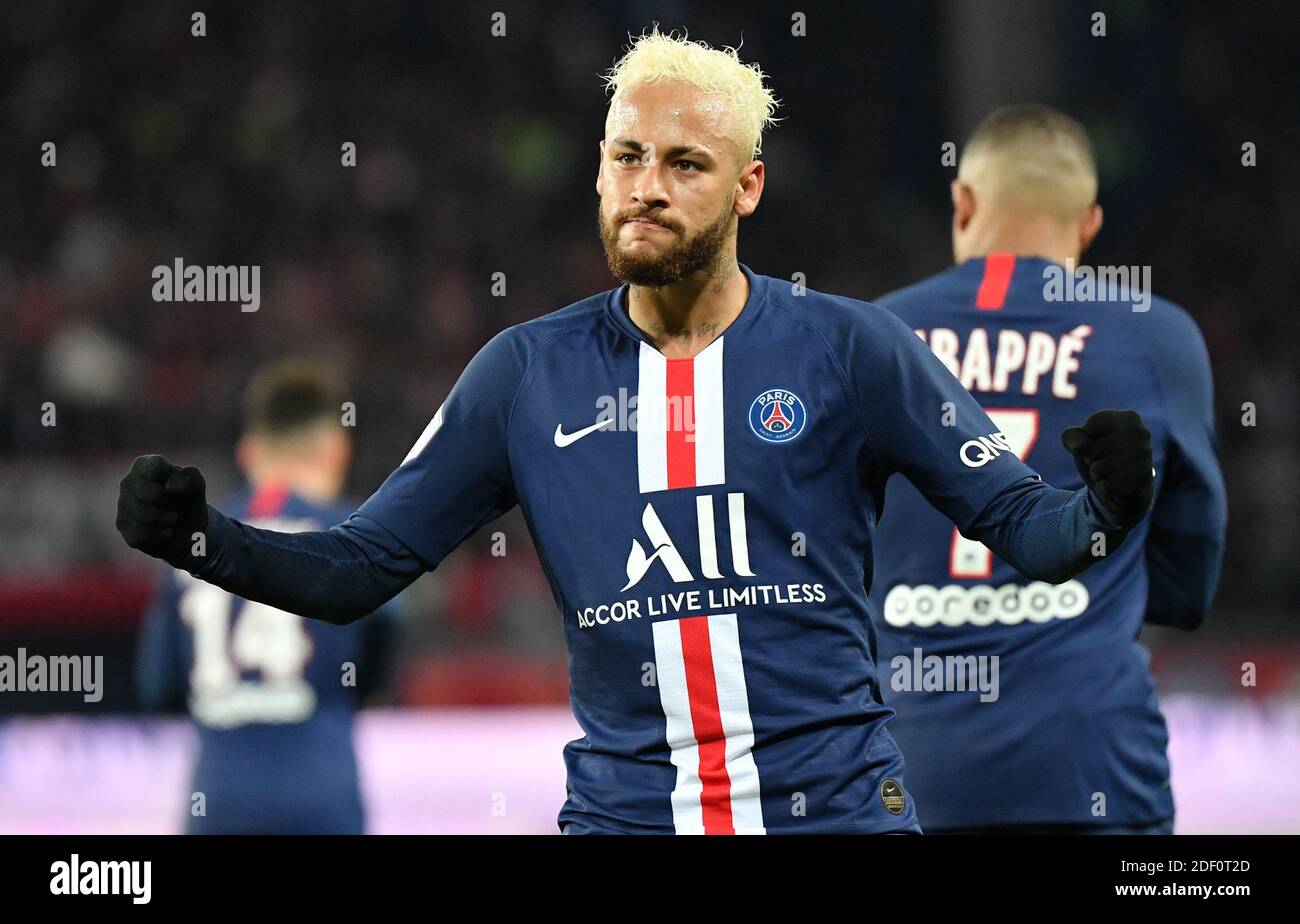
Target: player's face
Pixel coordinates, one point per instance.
(671, 184)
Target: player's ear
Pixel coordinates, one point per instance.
(749, 188)
(963, 205)
(600, 169)
(1089, 225)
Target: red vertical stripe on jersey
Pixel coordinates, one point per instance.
(706, 717)
(997, 278)
(267, 501)
(679, 422)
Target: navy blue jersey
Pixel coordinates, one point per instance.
(271, 694)
(1072, 734)
(706, 527)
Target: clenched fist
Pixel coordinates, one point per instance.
(160, 507)
(1112, 451)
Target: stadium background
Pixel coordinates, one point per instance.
(476, 156)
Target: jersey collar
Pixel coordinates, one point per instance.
(616, 309)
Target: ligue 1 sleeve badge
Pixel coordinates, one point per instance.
(777, 415)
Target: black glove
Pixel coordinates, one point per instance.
(1112, 451)
(160, 507)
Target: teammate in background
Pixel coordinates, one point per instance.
(708, 554)
(272, 694)
(1072, 738)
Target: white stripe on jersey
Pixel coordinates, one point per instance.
(710, 461)
(652, 420)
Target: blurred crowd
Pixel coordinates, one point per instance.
(475, 156)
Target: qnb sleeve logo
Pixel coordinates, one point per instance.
(979, 452)
(777, 415)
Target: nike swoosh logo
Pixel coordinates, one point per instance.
(563, 439)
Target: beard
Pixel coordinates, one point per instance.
(685, 258)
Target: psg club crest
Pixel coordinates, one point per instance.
(777, 415)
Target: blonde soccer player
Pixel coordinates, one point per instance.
(709, 552)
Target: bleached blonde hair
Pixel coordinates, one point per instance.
(1031, 158)
(656, 56)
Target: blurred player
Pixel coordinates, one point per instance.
(1072, 738)
(272, 694)
(699, 455)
